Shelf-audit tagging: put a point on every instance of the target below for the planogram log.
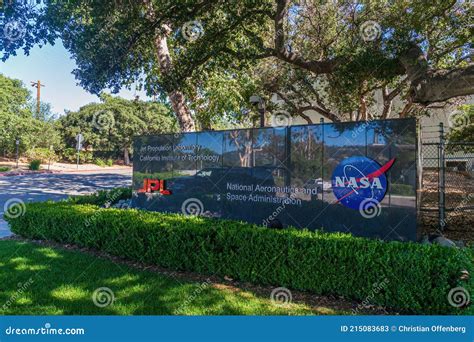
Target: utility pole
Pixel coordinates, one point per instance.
(38, 86)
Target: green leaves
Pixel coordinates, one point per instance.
(17, 120)
(234, 55)
(407, 277)
(462, 130)
(111, 125)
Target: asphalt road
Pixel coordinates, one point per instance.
(42, 187)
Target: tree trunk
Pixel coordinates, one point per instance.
(363, 109)
(126, 156)
(177, 98)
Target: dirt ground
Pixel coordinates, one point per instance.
(459, 198)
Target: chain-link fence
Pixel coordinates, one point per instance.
(447, 192)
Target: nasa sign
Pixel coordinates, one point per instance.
(351, 177)
(360, 183)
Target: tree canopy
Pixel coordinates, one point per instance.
(18, 122)
(462, 122)
(112, 124)
(206, 57)
(106, 126)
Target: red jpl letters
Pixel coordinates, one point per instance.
(152, 185)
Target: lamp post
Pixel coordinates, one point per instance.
(260, 103)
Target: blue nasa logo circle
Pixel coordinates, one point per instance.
(359, 179)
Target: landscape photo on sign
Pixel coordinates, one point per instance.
(359, 179)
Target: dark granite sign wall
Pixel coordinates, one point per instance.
(358, 178)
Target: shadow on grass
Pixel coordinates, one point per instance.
(42, 280)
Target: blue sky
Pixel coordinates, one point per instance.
(53, 66)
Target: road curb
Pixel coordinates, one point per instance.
(92, 170)
(11, 174)
(23, 173)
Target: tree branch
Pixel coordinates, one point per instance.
(318, 67)
(429, 86)
(443, 85)
(328, 115)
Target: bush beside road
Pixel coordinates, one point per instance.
(409, 277)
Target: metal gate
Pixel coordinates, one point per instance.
(447, 184)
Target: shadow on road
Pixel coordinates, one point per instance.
(54, 187)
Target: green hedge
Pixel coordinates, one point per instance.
(35, 165)
(70, 155)
(401, 189)
(45, 155)
(416, 277)
(102, 197)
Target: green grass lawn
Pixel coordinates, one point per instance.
(41, 280)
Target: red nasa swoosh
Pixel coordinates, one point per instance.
(370, 176)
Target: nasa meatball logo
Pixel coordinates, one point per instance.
(360, 183)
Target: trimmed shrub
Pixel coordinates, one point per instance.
(43, 154)
(34, 165)
(100, 162)
(416, 278)
(4, 169)
(102, 197)
(70, 155)
(401, 189)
